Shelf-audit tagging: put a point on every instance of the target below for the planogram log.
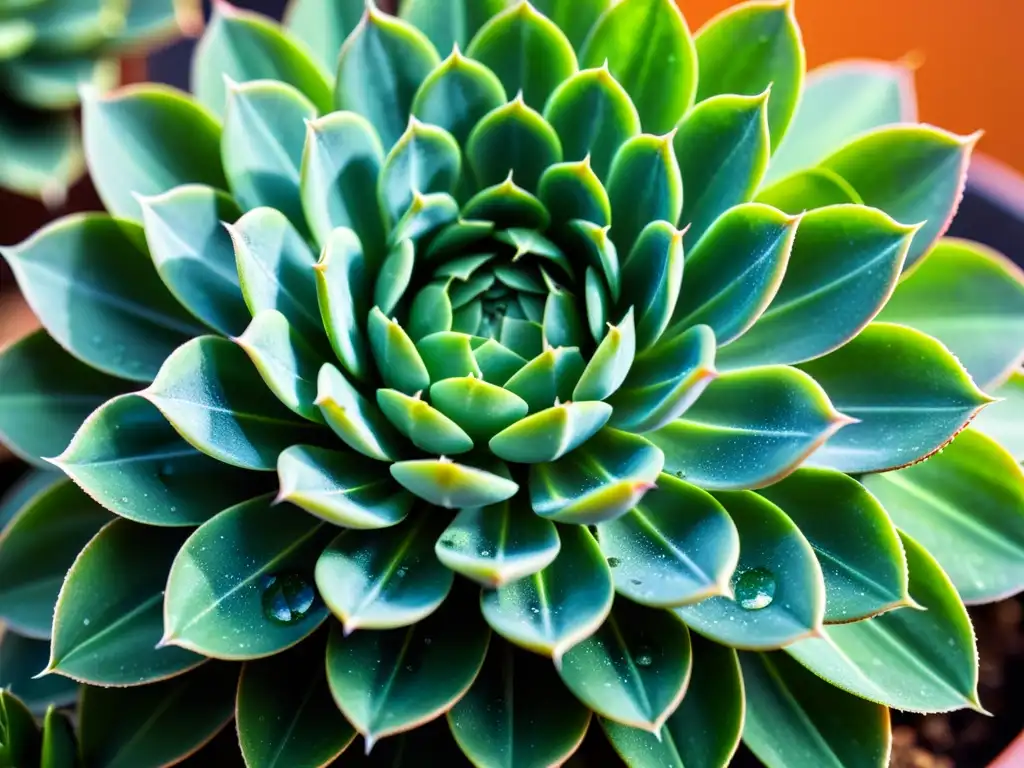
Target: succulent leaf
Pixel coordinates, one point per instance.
(449, 23)
(130, 459)
(944, 676)
(384, 579)
(705, 729)
(658, 69)
(429, 666)
(380, 67)
(696, 540)
(177, 142)
(1004, 419)
(795, 718)
(894, 380)
(983, 290)
(106, 627)
(323, 28)
(241, 46)
(840, 101)
(746, 49)
(778, 592)
(284, 710)
(976, 535)
(526, 50)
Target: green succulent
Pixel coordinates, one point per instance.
(578, 381)
(50, 50)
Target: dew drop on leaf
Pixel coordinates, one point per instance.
(755, 588)
(287, 597)
(613, 562)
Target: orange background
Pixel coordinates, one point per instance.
(972, 74)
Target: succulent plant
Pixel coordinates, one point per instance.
(580, 380)
(49, 51)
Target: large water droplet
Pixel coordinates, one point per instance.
(287, 597)
(755, 588)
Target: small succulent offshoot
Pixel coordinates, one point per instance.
(50, 52)
(462, 383)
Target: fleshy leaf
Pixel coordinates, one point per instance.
(970, 298)
(915, 173)
(839, 101)
(513, 141)
(176, 142)
(499, 544)
(22, 740)
(425, 159)
(651, 278)
(193, 253)
(823, 303)
(340, 164)
(250, 566)
(601, 480)
(323, 27)
(45, 395)
(428, 666)
(341, 283)
(355, 419)
(286, 362)
(526, 50)
(398, 360)
(457, 94)
(95, 267)
(384, 579)
(131, 460)
(634, 669)
(156, 724)
(341, 488)
(37, 548)
(1004, 420)
(665, 381)
(480, 408)
(748, 48)
(425, 426)
(576, 18)
(572, 192)
(264, 135)
(213, 396)
(644, 185)
(722, 147)
(909, 393)
(797, 719)
(556, 608)
(244, 46)
(749, 429)
(453, 486)
(735, 270)
(593, 116)
(868, 658)
(657, 67)
(607, 369)
(106, 626)
(550, 434)
(275, 268)
(966, 506)
(59, 743)
(284, 711)
(676, 546)
(380, 66)
(779, 595)
(704, 730)
(856, 543)
(809, 189)
(449, 23)
(518, 712)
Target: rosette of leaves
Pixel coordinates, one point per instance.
(49, 51)
(578, 381)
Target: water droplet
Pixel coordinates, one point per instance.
(755, 588)
(485, 553)
(287, 597)
(613, 562)
(86, 622)
(679, 473)
(635, 582)
(644, 658)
